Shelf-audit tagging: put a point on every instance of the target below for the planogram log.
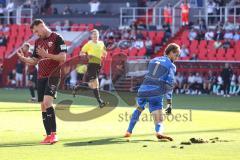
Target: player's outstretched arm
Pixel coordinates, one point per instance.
(27, 60)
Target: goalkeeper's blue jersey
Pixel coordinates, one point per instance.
(159, 80)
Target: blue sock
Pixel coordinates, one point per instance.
(159, 128)
(135, 116)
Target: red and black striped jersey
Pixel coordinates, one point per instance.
(53, 44)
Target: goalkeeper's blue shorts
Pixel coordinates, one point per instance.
(155, 103)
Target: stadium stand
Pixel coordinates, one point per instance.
(202, 54)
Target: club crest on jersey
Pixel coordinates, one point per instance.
(50, 44)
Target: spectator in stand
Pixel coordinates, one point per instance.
(209, 35)
(10, 8)
(178, 83)
(19, 74)
(109, 34)
(57, 26)
(94, 6)
(190, 83)
(194, 57)
(1, 14)
(217, 85)
(134, 25)
(105, 82)
(149, 46)
(237, 3)
(185, 7)
(66, 25)
(200, 35)
(138, 44)
(125, 34)
(184, 52)
(67, 10)
(192, 35)
(211, 10)
(198, 85)
(226, 76)
(132, 34)
(229, 26)
(238, 86)
(228, 35)
(226, 44)
(236, 36)
(3, 40)
(202, 25)
(219, 10)
(12, 79)
(217, 44)
(55, 11)
(207, 82)
(233, 85)
(219, 35)
(168, 32)
(46, 9)
(167, 14)
(219, 25)
(111, 44)
(139, 35)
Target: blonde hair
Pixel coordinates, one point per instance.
(95, 31)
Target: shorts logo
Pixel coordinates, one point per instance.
(50, 44)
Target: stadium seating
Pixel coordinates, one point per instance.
(205, 50)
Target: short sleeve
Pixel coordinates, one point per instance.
(60, 45)
(85, 48)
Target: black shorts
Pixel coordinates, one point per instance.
(46, 88)
(93, 70)
(32, 78)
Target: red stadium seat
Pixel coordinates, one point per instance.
(203, 44)
(142, 52)
(74, 27)
(194, 44)
(90, 27)
(133, 52)
(82, 27)
(221, 52)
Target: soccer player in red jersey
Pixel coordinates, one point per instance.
(49, 52)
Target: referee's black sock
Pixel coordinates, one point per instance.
(32, 91)
(97, 95)
(46, 123)
(52, 118)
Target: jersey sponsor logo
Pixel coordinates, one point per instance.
(50, 44)
(63, 47)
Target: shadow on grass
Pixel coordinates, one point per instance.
(18, 145)
(121, 140)
(104, 141)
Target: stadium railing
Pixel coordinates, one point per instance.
(154, 16)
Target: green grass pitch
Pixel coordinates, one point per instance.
(21, 130)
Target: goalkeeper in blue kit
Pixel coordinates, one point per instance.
(157, 84)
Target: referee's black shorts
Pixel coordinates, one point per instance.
(93, 70)
(47, 87)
